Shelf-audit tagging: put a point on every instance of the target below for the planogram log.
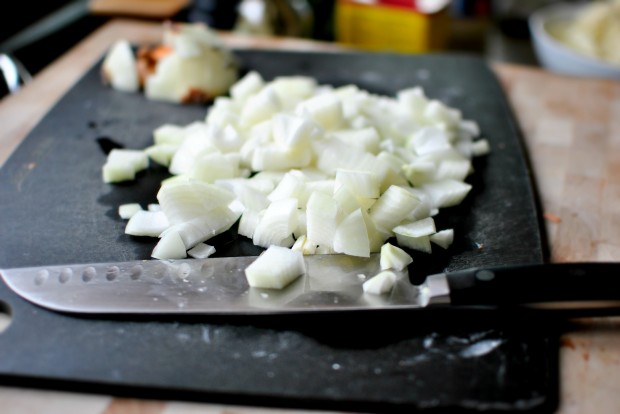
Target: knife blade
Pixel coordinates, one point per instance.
(331, 283)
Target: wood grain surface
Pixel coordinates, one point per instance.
(152, 9)
(572, 134)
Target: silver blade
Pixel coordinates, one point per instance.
(208, 286)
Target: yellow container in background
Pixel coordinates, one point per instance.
(391, 26)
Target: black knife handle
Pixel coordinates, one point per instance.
(536, 284)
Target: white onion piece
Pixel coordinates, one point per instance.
(123, 164)
(175, 179)
(247, 86)
(470, 127)
(293, 131)
(428, 140)
(275, 268)
(170, 247)
(291, 186)
(365, 139)
(125, 211)
(248, 222)
(480, 147)
(261, 184)
(420, 172)
(321, 186)
(424, 227)
(299, 243)
(333, 154)
(162, 153)
(324, 250)
(351, 236)
(310, 247)
(193, 147)
(222, 118)
(324, 109)
(249, 197)
(412, 99)
(422, 243)
(147, 223)
(260, 107)
(380, 284)
(279, 158)
(277, 224)
(273, 177)
(201, 251)
(389, 171)
(115, 173)
(394, 205)
(376, 238)
(446, 193)
(393, 257)
(423, 209)
(313, 174)
(119, 67)
(347, 202)
(321, 218)
(362, 184)
(453, 170)
(198, 64)
(443, 238)
(225, 138)
(202, 228)
(305, 246)
(292, 89)
(438, 113)
(170, 134)
(186, 200)
(212, 167)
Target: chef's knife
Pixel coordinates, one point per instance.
(331, 283)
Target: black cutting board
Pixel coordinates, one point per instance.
(56, 209)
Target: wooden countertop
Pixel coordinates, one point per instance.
(572, 133)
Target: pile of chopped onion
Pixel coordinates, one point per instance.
(310, 167)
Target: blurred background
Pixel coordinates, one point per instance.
(35, 33)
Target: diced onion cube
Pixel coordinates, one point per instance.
(321, 216)
(422, 244)
(201, 251)
(147, 223)
(393, 257)
(247, 86)
(443, 238)
(480, 147)
(446, 193)
(424, 227)
(275, 268)
(351, 236)
(119, 67)
(170, 247)
(277, 225)
(381, 283)
(123, 164)
(394, 205)
(125, 211)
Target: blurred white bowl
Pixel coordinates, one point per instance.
(555, 55)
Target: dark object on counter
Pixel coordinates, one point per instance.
(218, 14)
(4, 87)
